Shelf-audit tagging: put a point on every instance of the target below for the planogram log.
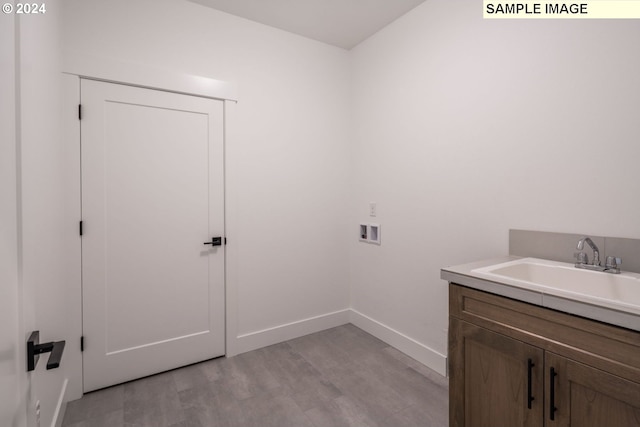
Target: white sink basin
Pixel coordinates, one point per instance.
(563, 279)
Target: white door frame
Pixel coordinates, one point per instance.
(141, 75)
(76, 66)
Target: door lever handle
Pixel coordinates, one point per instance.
(35, 349)
(215, 241)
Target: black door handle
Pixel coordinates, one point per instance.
(215, 241)
(35, 349)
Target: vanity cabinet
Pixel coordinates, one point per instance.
(518, 364)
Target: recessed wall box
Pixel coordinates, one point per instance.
(370, 233)
(364, 232)
(374, 233)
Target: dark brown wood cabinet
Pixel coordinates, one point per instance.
(496, 385)
(517, 364)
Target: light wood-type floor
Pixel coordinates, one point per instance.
(339, 377)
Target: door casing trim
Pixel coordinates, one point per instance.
(146, 76)
(77, 66)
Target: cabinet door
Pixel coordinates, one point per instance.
(589, 397)
(495, 381)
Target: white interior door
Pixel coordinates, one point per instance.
(152, 195)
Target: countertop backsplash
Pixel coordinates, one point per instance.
(562, 246)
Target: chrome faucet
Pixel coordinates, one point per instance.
(596, 251)
(582, 260)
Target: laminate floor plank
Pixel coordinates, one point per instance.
(270, 411)
(340, 412)
(212, 405)
(95, 404)
(417, 415)
(432, 375)
(369, 392)
(107, 419)
(244, 377)
(340, 377)
(152, 401)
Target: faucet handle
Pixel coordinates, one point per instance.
(613, 262)
(581, 258)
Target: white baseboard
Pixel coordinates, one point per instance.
(407, 345)
(61, 406)
(277, 334)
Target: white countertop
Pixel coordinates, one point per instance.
(541, 296)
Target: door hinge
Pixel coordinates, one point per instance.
(79, 111)
(82, 343)
(81, 228)
(225, 240)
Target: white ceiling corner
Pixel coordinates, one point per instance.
(342, 23)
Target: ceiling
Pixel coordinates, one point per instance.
(342, 23)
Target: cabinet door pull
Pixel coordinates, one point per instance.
(552, 394)
(530, 397)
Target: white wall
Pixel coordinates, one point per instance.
(12, 379)
(34, 247)
(48, 216)
(287, 156)
(465, 128)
